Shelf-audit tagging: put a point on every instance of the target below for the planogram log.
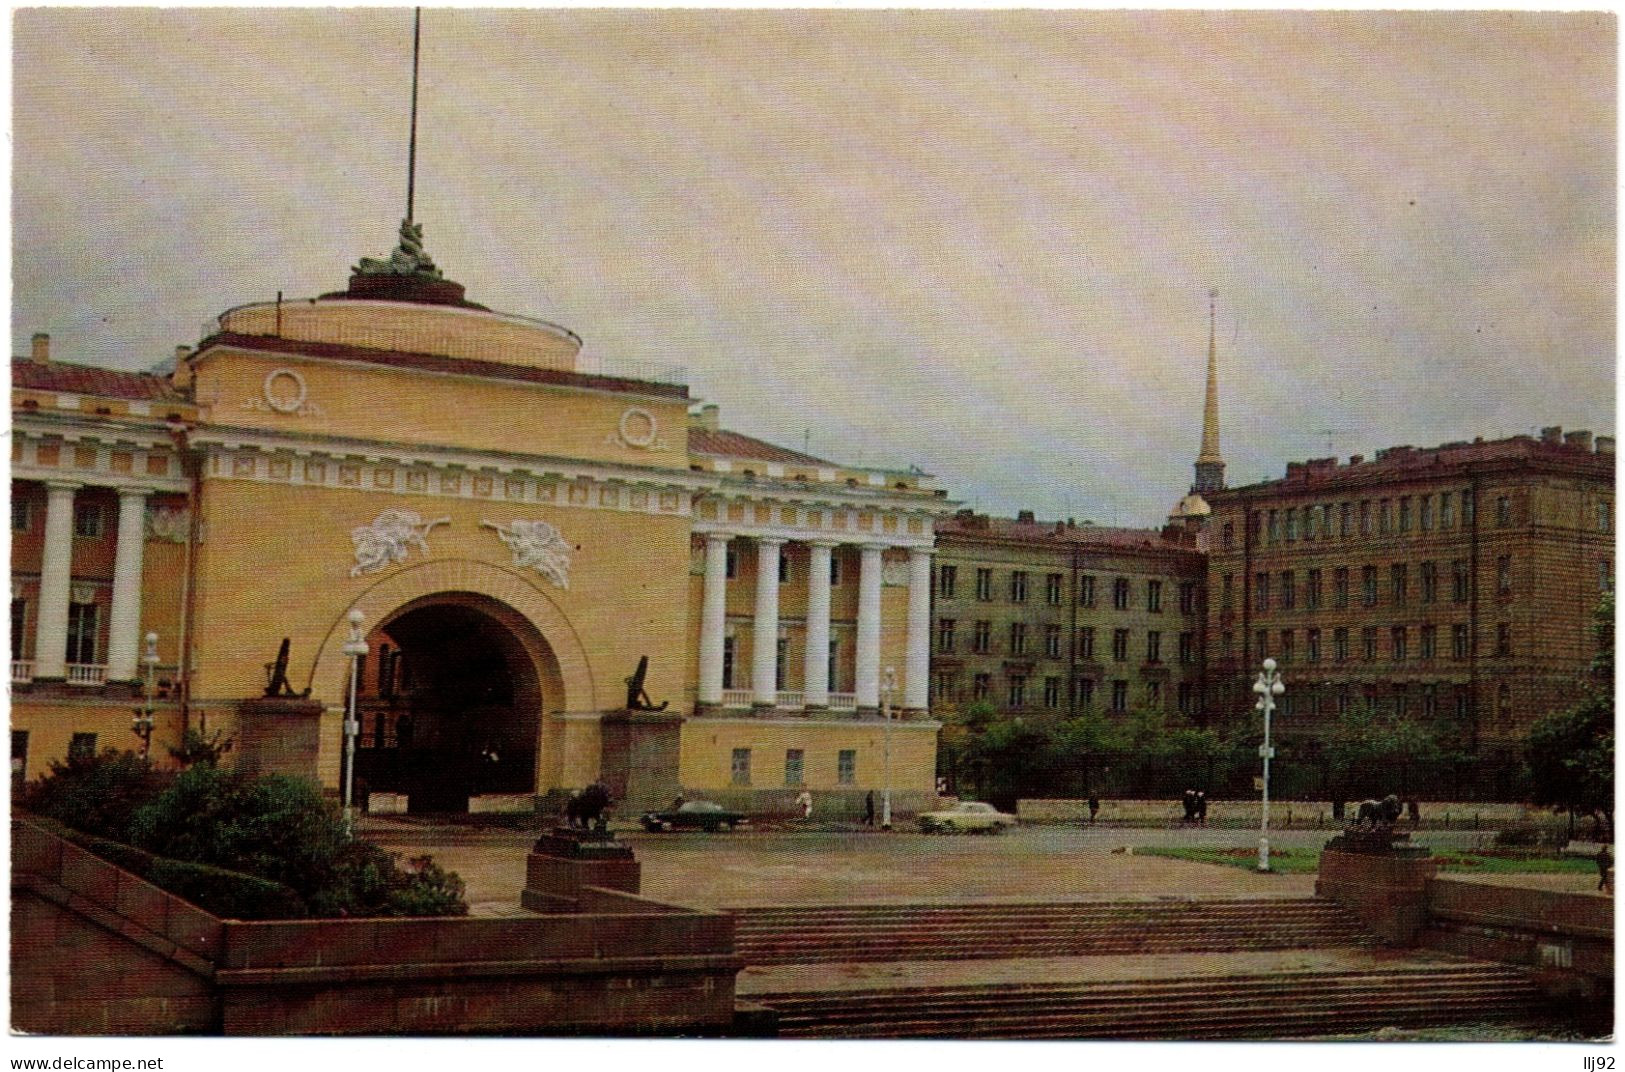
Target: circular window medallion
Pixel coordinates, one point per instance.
(638, 428)
(285, 391)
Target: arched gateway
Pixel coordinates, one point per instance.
(467, 661)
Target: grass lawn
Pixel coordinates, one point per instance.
(1307, 861)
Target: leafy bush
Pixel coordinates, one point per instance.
(227, 894)
(96, 794)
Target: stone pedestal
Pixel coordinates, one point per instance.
(278, 736)
(638, 759)
(566, 859)
(1382, 879)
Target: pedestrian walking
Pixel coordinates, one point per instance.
(1094, 808)
(804, 802)
(869, 809)
(1201, 807)
(1190, 805)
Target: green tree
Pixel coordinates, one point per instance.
(1570, 754)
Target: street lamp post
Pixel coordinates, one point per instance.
(355, 648)
(142, 723)
(1268, 687)
(885, 713)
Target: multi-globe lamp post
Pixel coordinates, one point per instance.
(355, 648)
(1268, 686)
(142, 723)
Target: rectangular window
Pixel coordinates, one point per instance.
(87, 521)
(1430, 582)
(1340, 645)
(1153, 647)
(729, 648)
(1018, 638)
(1187, 598)
(1447, 510)
(1052, 692)
(1153, 596)
(1503, 575)
(1052, 641)
(981, 686)
(1340, 587)
(781, 655)
(1503, 639)
(741, 766)
(1503, 511)
(1368, 586)
(834, 663)
(1458, 641)
(1402, 700)
(731, 561)
(1345, 701)
(1398, 639)
(1187, 648)
(1289, 590)
(945, 635)
(834, 570)
(982, 639)
(1385, 517)
(1120, 593)
(1086, 590)
(1275, 527)
(784, 567)
(1405, 514)
(82, 633)
(1311, 591)
(1153, 695)
(1086, 642)
(947, 686)
(1186, 697)
(794, 766)
(947, 580)
(1312, 646)
(1605, 575)
(1605, 516)
(1464, 703)
(1120, 645)
(1227, 590)
(1368, 643)
(19, 627)
(1018, 690)
(984, 584)
(1119, 696)
(82, 746)
(1262, 642)
(1228, 540)
(846, 766)
(1460, 580)
(1227, 644)
(1255, 526)
(1365, 517)
(1429, 647)
(1399, 583)
(1289, 645)
(22, 517)
(1261, 592)
(1086, 693)
(1427, 513)
(1469, 508)
(1345, 527)
(1291, 524)
(1018, 586)
(1052, 589)
(1430, 701)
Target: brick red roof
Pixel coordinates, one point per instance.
(27, 375)
(1406, 461)
(734, 445)
(1004, 528)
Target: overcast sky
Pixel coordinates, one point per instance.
(980, 243)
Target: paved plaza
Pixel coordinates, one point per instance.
(846, 867)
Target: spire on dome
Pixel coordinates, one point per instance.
(1209, 463)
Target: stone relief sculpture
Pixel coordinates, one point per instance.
(168, 524)
(387, 539)
(537, 545)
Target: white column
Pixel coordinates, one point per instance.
(124, 620)
(868, 675)
(56, 576)
(917, 674)
(765, 658)
(817, 675)
(713, 618)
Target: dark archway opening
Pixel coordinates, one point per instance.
(450, 708)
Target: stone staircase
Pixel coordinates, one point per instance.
(1220, 1006)
(834, 933)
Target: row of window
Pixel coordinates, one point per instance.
(795, 766)
(89, 519)
(781, 660)
(1284, 593)
(1381, 517)
(84, 631)
(981, 641)
(946, 686)
(1283, 646)
(1429, 700)
(1055, 589)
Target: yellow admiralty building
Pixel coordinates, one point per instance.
(513, 528)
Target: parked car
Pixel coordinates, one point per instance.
(693, 815)
(967, 815)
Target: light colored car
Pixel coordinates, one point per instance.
(967, 815)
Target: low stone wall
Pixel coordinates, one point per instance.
(1284, 814)
(1387, 893)
(97, 950)
(1558, 933)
